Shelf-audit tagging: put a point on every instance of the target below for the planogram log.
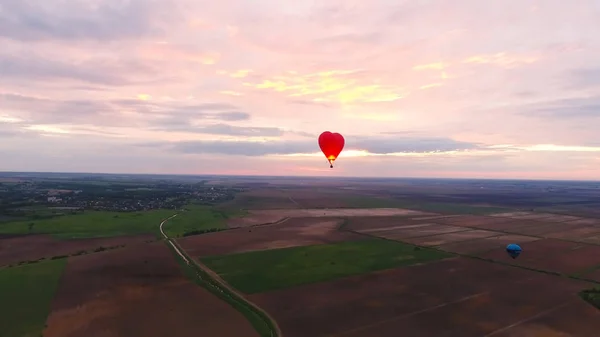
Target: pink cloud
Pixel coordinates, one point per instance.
(487, 73)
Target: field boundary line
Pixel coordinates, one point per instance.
(225, 287)
(410, 314)
(530, 318)
(474, 257)
(294, 201)
(278, 222)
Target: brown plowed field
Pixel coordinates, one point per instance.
(585, 222)
(595, 240)
(369, 215)
(593, 275)
(577, 319)
(381, 230)
(254, 218)
(414, 231)
(575, 234)
(510, 226)
(471, 220)
(436, 240)
(434, 217)
(572, 261)
(138, 292)
(486, 244)
(454, 297)
(361, 223)
(533, 252)
(546, 228)
(510, 214)
(534, 216)
(563, 218)
(291, 233)
(33, 247)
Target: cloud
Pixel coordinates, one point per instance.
(235, 74)
(384, 145)
(12, 127)
(526, 94)
(431, 66)
(583, 78)
(7, 131)
(567, 109)
(241, 148)
(31, 20)
(503, 59)
(225, 129)
(373, 145)
(117, 112)
(351, 39)
(337, 86)
(43, 110)
(34, 68)
(194, 76)
(183, 125)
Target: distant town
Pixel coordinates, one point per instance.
(41, 198)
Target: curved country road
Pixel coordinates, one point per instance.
(217, 278)
(169, 240)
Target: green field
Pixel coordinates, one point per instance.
(262, 324)
(260, 271)
(91, 224)
(592, 296)
(196, 219)
(26, 293)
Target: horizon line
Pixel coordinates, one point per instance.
(295, 176)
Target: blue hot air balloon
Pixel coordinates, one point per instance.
(514, 250)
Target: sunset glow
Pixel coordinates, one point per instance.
(494, 89)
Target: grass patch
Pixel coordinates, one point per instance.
(259, 271)
(91, 224)
(592, 296)
(197, 220)
(26, 294)
(259, 321)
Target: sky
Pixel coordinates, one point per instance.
(431, 88)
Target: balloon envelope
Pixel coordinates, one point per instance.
(332, 145)
(513, 250)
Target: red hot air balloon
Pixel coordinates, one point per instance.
(331, 144)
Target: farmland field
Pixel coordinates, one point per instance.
(319, 198)
(25, 293)
(290, 233)
(322, 256)
(453, 297)
(280, 268)
(196, 219)
(260, 217)
(91, 224)
(115, 293)
(34, 247)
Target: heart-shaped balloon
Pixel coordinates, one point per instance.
(332, 145)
